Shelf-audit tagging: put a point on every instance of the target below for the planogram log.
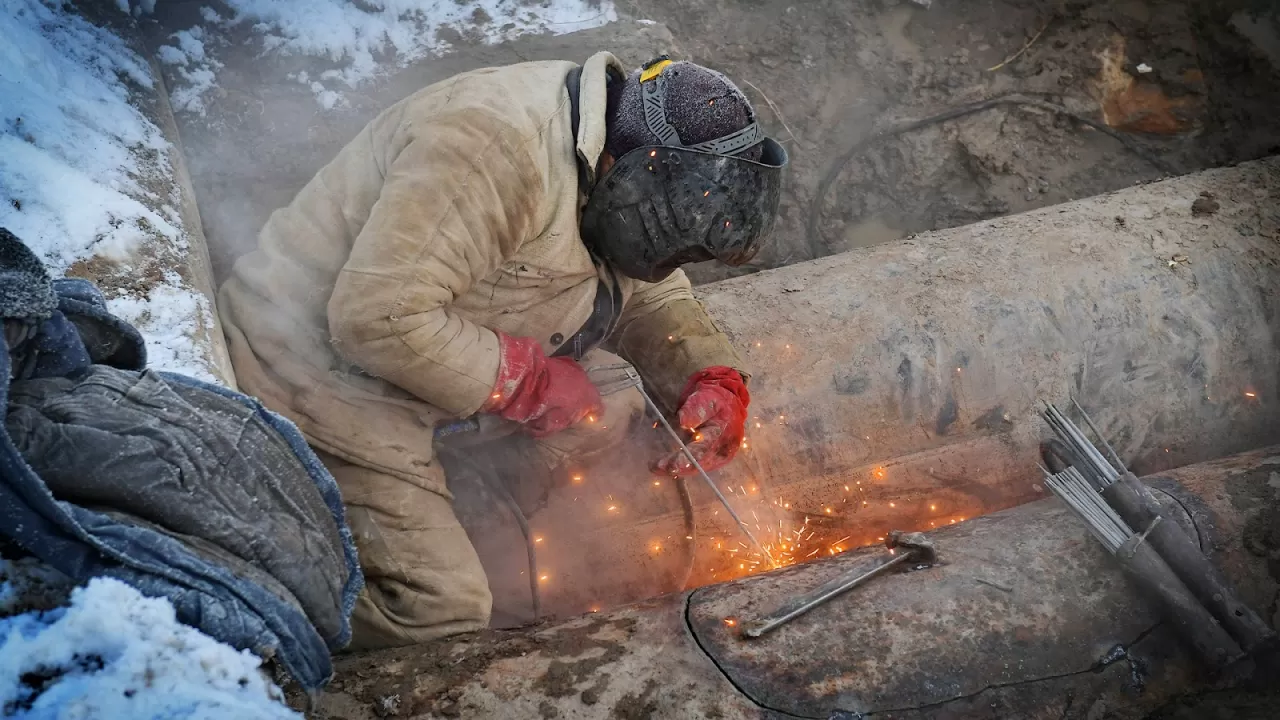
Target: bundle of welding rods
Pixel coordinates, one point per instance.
(1125, 516)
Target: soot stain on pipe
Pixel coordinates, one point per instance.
(949, 413)
(846, 382)
(992, 420)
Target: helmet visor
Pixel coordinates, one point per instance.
(660, 207)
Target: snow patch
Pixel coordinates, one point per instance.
(76, 158)
(366, 38)
(114, 653)
(170, 312)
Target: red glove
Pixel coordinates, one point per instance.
(714, 407)
(546, 395)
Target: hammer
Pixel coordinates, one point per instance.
(916, 549)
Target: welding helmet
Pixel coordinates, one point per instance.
(664, 205)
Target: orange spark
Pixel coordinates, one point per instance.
(730, 622)
(1250, 394)
(538, 539)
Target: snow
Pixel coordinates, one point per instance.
(172, 312)
(368, 37)
(76, 157)
(113, 653)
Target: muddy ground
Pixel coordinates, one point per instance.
(1195, 83)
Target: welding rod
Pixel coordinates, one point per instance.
(822, 594)
(689, 454)
(1137, 506)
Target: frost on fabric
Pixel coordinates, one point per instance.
(361, 38)
(80, 168)
(114, 653)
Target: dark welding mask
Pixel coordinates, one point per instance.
(663, 206)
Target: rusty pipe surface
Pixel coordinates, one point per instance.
(1026, 616)
(1166, 321)
(896, 386)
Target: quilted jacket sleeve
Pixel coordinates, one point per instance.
(457, 200)
(668, 336)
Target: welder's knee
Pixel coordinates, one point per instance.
(423, 578)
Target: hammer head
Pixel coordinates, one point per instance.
(920, 547)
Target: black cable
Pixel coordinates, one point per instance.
(817, 245)
(691, 530)
(499, 488)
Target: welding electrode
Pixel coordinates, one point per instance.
(698, 466)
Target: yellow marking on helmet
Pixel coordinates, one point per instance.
(654, 70)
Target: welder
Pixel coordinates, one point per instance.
(472, 252)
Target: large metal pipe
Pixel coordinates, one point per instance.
(1156, 305)
(896, 386)
(1026, 616)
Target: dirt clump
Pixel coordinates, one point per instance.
(641, 706)
(435, 676)
(1206, 204)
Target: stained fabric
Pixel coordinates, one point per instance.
(368, 312)
(182, 489)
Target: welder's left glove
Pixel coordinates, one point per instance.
(713, 407)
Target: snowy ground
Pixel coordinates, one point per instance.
(86, 179)
(360, 39)
(112, 653)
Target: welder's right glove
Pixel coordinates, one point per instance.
(713, 407)
(544, 394)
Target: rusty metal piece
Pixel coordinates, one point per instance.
(937, 643)
(919, 549)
